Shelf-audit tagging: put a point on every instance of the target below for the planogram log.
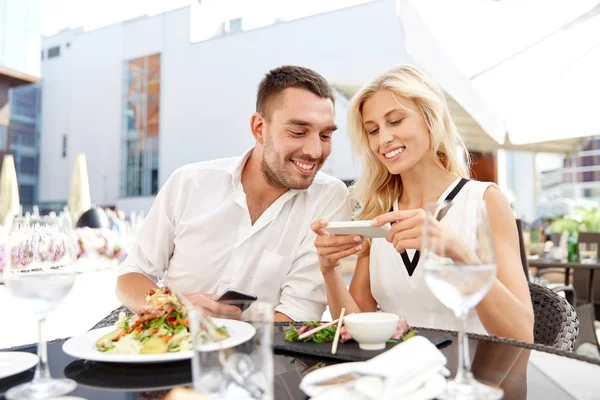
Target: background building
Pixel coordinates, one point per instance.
(25, 106)
(19, 57)
(576, 183)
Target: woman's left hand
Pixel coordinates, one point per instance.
(407, 230)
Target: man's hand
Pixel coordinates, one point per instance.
(181, 393)
(280, 317)
(208, 303)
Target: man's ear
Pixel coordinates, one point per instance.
(257, 126)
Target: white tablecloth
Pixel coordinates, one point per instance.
(91, 299)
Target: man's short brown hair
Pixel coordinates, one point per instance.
(290, 76)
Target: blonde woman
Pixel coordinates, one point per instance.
(412, 155)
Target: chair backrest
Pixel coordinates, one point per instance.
(556, 323)
(581, 279)
(522, 249)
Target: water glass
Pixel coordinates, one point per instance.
(40, 272)
(460, 267)
(588, 253)
(241, 366)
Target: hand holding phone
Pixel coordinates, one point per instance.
(237, 298)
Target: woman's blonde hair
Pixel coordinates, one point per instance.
(376, 188)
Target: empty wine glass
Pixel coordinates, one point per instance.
(460, 267)
(40, 273)
(240, 367)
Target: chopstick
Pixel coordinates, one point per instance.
(336, 339)
(318, 328)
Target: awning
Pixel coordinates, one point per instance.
(16, 78)
(534, 63)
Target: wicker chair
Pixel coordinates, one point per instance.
(556, 323)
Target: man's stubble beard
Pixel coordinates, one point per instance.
(277, 173)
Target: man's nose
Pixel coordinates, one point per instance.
(313, 146)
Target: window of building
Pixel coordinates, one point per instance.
(24, 101)
(141, 116)
(154, 181)
(27, 194)
(25, 139)
(28, 165)
(591, 192)
(3, 138)
(64, 146)
(22, 134)
(54, 52)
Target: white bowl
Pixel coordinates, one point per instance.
(371, 329)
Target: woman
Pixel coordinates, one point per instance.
(400, 126)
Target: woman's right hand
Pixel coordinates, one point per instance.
(332, 248)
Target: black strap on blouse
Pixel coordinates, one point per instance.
(412, 265)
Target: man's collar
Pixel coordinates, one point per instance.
(235, 169)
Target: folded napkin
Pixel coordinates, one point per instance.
(409, 369)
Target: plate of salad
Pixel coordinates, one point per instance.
(286, 341)
(160, 332)
(327, 334)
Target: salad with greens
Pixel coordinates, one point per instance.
(161, 327)
(326, 335)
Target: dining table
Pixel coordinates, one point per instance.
(521, 370)
(544, 264)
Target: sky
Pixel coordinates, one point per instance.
(93, 14)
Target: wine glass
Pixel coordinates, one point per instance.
(459, 268)
(240, 367)
(40, 273)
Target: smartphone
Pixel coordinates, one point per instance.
(232, 295)
(362, 228)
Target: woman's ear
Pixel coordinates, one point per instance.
(442, 158)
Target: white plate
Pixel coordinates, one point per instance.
(15, 362)
(84, 346)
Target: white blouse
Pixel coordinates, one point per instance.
(398, 292)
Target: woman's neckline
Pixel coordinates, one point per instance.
(442, 196)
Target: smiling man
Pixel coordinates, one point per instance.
(244, 222)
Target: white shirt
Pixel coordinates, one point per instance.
(199, 230)
(409, 296)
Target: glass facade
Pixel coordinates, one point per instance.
(24, 128)
(141, 127)
(587, 163)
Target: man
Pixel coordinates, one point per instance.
(244, 222)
